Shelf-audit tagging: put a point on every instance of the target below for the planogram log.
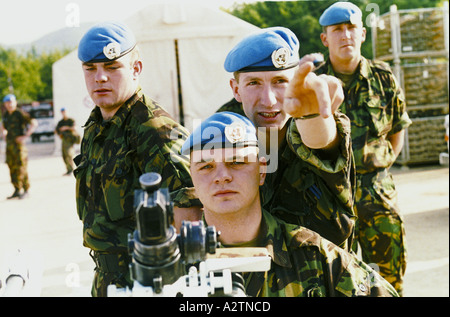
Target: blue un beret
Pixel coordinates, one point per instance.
(269, 49)
(221, 130)
(106, 42)
(9, 97)
(341, 12)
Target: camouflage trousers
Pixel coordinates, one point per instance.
(17, 161)
(68, 152)
(380, 230)
(110, 269)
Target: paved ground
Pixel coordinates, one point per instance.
(47, 227)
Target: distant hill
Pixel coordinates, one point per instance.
(68, 37)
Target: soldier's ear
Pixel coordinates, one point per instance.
(137, 68)
(363, 35)
(235, 89)
(323, 37)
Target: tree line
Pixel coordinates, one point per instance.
(29, 75)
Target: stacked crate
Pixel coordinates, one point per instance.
(415, 43)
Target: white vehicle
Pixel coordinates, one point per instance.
(443, 157)
(43, 113)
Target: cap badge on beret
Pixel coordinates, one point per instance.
(269, 49)
(221, 130)
(280, 57)
(112, 50)
(235, 133)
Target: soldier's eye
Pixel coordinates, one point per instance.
(205, 167)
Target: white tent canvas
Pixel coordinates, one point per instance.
(183, 47)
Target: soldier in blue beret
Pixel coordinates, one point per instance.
(227, 172)
(16, 127)
(221, 130)
(375, 104)
(303, 135)
(65, 129)
(127, 134)
(341, 12)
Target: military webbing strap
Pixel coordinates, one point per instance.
(254, 283)
(109, 262)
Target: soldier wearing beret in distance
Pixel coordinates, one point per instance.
(17, 126)
(227, 173)
(127, 134)
(313, 183)
(375, 105)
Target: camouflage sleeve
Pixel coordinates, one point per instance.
(158, 143)
(343, 273)
(393, 94)
(313, 156)
(400, 118)
(338, 173)
(26, 118)
(359, 279)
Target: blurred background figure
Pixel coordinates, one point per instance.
(69, 137)
(17, 126)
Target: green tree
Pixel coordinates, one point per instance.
(29, 74)
(46, 60)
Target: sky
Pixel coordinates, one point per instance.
(24, 21)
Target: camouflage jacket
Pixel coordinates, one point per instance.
(306, 265)
(232, 106)
(140, 138)
(376, 107)
(16, 124)
(310, 191)
(68, 136)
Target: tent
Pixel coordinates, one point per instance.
(183, 47)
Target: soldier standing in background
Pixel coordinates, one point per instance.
(69, 137)
(127, 134)
(17, 126)
(376, 107)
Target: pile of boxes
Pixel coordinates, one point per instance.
(415, 44)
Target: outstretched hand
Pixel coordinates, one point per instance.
(309, 94)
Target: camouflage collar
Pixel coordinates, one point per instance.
(275, 240)
(120, 115)
(363, 69)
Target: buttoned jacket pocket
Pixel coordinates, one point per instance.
(116, 182)
(80, 173)
(380, 118)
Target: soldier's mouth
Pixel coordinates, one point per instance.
(224, 193)
(101, 91)
(269, 115)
